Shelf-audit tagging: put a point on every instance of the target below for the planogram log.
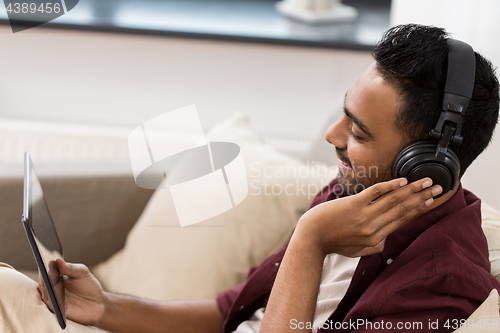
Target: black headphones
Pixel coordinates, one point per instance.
(435, 160)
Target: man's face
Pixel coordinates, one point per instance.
(366, 137)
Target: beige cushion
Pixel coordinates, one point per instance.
(486, 318)
(491, 228)
(321, 150)
(163, 261)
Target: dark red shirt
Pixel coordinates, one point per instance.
(432, 272)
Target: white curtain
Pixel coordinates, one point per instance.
(473, 21)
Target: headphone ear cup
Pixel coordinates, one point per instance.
(418, 160)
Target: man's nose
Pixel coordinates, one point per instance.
(338, 133)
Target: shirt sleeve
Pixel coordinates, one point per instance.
(257, 284)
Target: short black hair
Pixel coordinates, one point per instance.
(413, 59)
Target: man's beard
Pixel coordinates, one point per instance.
(350, 185)
(353, 180)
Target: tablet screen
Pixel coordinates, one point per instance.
(45, 235)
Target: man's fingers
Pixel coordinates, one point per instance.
(41, 286)
(376, 191)
(43, 292)
(40, 280)
(395, 198)
(407, 210)
(74, 271)
(64, 267)
(370, 250)
(412, 205)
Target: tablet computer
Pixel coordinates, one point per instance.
(43, 239)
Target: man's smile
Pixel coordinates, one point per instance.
(344, 162)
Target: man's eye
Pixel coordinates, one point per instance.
(355, 136)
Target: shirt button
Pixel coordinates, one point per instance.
(276, 264)
(389, 261)
(363, 273)
(241, 307)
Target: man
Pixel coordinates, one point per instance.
(424, 259)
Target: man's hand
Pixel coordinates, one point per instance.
(84, 294)
(87, 304)
(359, 224)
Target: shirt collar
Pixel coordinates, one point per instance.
(406, 234)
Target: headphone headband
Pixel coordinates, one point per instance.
(461, 70)
(458, 90)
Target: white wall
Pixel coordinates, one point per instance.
(124, 80)
(475, 22)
